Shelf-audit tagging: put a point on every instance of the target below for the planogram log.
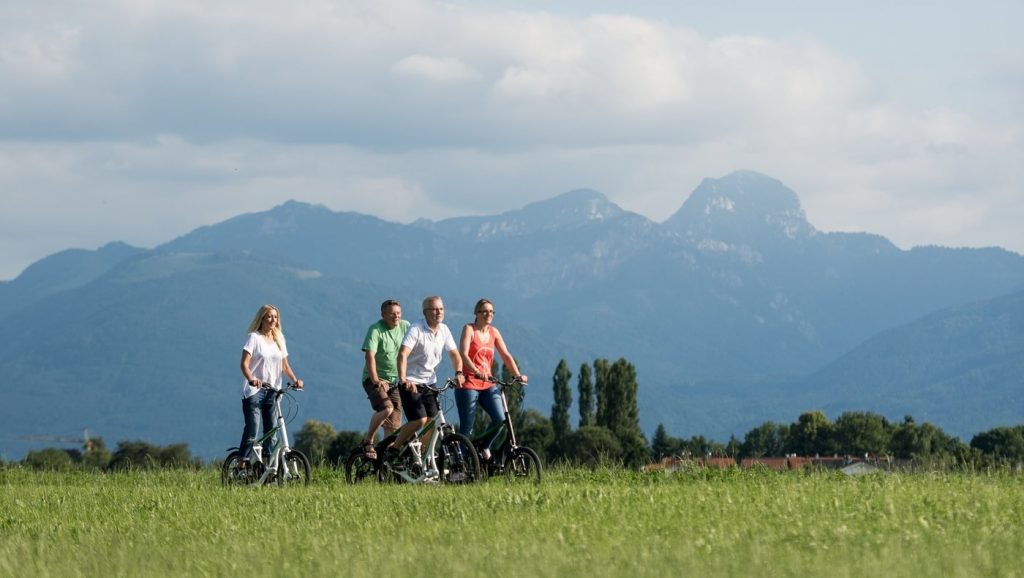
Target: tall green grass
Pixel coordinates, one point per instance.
(578, 523)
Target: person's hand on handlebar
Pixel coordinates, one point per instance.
(298, 384)
(521, 378)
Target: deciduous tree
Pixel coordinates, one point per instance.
(314, 440)
(1002, 443)
(766, 440)
(862, 432)
(811, 435)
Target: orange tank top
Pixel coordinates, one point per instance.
(481, 353)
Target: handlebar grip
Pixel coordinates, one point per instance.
(287, 385)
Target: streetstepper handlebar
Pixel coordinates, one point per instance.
(452, 382)
(448, 384)
(289, 385)
(506, 384)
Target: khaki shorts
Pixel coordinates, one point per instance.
(380, 400)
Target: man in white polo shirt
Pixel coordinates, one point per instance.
(424, 345)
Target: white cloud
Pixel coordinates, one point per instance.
(442, 70)
(183, 113)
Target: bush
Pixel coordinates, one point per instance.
(314, 440)
(342, 445)
(137, 454)
(49, 459)
(594, 446)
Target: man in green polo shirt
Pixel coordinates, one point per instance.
(380, 348)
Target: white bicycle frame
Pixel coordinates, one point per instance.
(415, 445)
(280, 446)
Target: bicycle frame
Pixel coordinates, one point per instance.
(278, 438)
(440, 427)
(268, 463)
(495, 460)
(495, 431)
(449, 456)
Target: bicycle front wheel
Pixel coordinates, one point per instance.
(296, 470)
(360, 468)
(458, 462)
(523, 466)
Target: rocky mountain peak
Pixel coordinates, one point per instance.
(742, 207)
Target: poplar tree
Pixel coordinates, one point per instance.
(601, 368)
(622, 411)
(586, 387)
(563, 402)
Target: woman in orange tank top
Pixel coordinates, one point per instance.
(479, 341)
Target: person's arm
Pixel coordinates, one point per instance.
(287, 368)
(371, 369)
(403, 361)
(456, 356)
(246, 356)
(464, 343)
(460, 377)
(510, 362)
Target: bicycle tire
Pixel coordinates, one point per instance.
(457, 461)
(231, 476)
(360, 468)
(523, 466)
(295, 471)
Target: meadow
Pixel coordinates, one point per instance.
(607, 522)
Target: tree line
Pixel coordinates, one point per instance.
(129, 455)
(608, 432)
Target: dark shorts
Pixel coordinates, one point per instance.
(419, 403)
(378, 399)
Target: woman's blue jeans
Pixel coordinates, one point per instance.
(467, 399)
(261, 403)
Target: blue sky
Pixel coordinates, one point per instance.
(139, 120)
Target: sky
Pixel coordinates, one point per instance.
(140, 120)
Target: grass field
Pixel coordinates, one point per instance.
(578, 523)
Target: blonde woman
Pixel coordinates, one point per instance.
(264, 360)
(479, 341)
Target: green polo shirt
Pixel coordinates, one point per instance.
(384, 343)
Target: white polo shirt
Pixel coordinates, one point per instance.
(425, 351)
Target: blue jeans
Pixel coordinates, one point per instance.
(254, 405)
(466, 400)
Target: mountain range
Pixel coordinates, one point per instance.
(735, 310)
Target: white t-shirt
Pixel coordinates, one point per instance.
(266, 361)
(426, 349)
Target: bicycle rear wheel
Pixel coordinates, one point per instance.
(523, 466)
(296, 470)
(360, 468)
(458, 462)
(232, 475)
